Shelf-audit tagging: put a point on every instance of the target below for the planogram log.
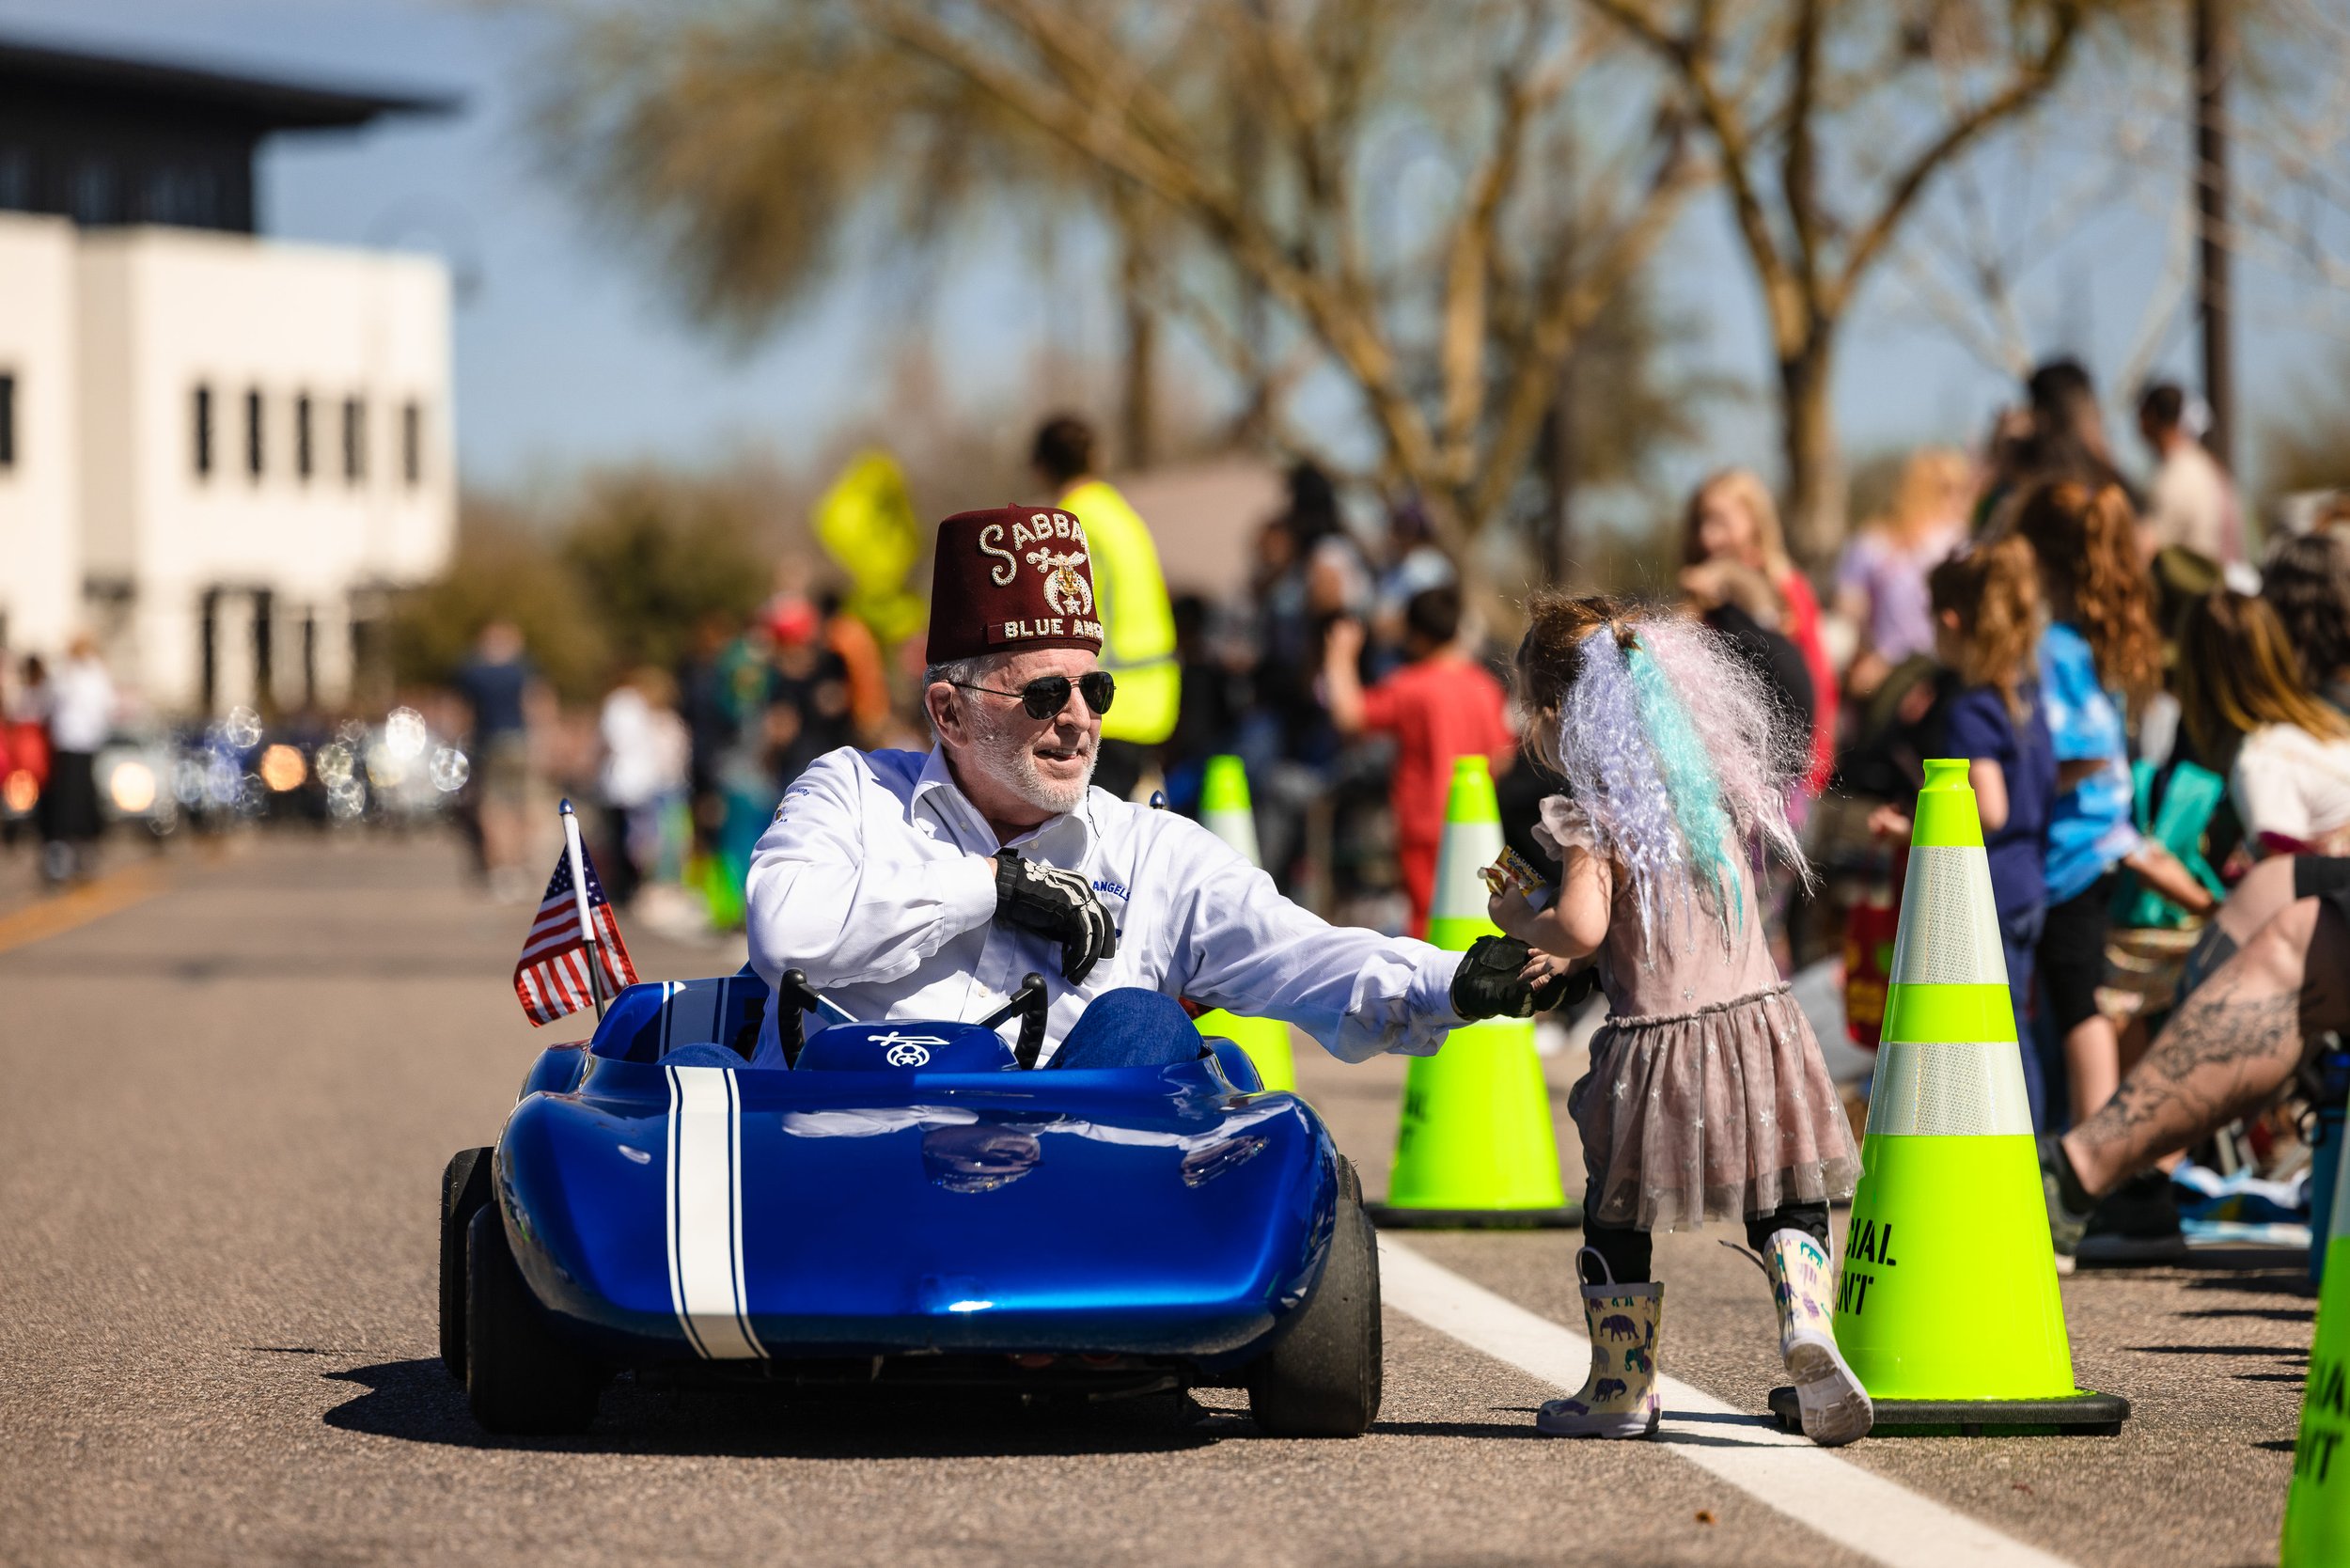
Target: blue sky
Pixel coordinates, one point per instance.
(569, 353)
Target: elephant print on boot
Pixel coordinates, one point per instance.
(1608, 1405)
(1836, 1409)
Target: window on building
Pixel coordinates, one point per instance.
(301, 435)
(411, 441)
(203, 430)
(91, 195)
(354, 440)
(7, 420)
(253, 450)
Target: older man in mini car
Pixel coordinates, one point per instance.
(925, 885)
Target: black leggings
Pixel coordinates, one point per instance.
(1627, 1250)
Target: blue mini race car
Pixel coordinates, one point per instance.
(907, 1204)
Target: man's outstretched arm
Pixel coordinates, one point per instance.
(1246, 947)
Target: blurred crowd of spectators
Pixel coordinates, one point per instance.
(2148, 709)
(1354, 668)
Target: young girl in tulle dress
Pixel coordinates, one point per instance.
(1707, 1097)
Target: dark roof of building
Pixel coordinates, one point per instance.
(265, 103)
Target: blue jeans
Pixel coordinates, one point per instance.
(1130, 1028)
(2019, 937)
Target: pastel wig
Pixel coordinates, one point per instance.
(1674, 748)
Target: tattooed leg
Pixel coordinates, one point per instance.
(2231, 1049)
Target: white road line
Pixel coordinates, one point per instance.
(1855, 1507)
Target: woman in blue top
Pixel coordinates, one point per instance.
(2100, 641)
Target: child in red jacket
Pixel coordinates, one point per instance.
(1442, 704)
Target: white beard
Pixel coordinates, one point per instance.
(1007, 760)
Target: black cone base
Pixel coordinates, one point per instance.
(2084, 1414)
(1390, 1218)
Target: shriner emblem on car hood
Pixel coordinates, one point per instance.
(906, 1050)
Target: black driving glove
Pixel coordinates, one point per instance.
(1488, 984)
(1057, 904)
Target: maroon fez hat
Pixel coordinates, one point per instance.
(1009, 580)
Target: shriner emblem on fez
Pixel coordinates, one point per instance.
(1065, 591)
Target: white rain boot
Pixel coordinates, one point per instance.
(1835, 1408)
(1619, 1399)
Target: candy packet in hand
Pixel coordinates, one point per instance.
(1511, 870)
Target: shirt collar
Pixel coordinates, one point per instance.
(1072, 831)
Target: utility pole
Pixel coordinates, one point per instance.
(2214, 63)
(1138, 412)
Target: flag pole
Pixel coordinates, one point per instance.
(579, 897)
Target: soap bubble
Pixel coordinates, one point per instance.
(335, 763)
(450, 770)
(404, 734)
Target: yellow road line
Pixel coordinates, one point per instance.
(54, 917)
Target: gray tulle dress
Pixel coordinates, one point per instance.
(1707, 1097)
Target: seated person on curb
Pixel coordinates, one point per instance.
(2234, 1043)
(911, 885)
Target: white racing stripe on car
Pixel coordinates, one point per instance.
(705, 1204)
(695, 1013)
(1857, 1509)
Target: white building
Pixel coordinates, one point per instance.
(217, 451)
(40, 555)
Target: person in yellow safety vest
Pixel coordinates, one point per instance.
(1130, 600)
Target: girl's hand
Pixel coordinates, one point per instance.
(1509, 910)
(1542, 968)
(1889, 822)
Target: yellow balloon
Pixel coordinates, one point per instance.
(866, 522)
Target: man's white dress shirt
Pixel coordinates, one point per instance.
(874, 880)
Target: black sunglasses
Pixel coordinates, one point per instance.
(1048, 695)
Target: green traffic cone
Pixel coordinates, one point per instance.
(1947, 1303)
(2317, 1505)
(1225, 811)
(1475, 1146)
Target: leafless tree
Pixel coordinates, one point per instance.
(1828, 124)
(2115, 164)
(1252, 140)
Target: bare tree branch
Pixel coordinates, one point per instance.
(1469, 262)
(2031, 81)
(1572, 303)
(1690, 55)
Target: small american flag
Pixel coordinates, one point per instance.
(552, 975)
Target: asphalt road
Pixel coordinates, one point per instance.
(230, 1090)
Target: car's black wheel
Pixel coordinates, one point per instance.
(1322, 1377)
(1350, 1180)
(519, 1377)
(464, 1192)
